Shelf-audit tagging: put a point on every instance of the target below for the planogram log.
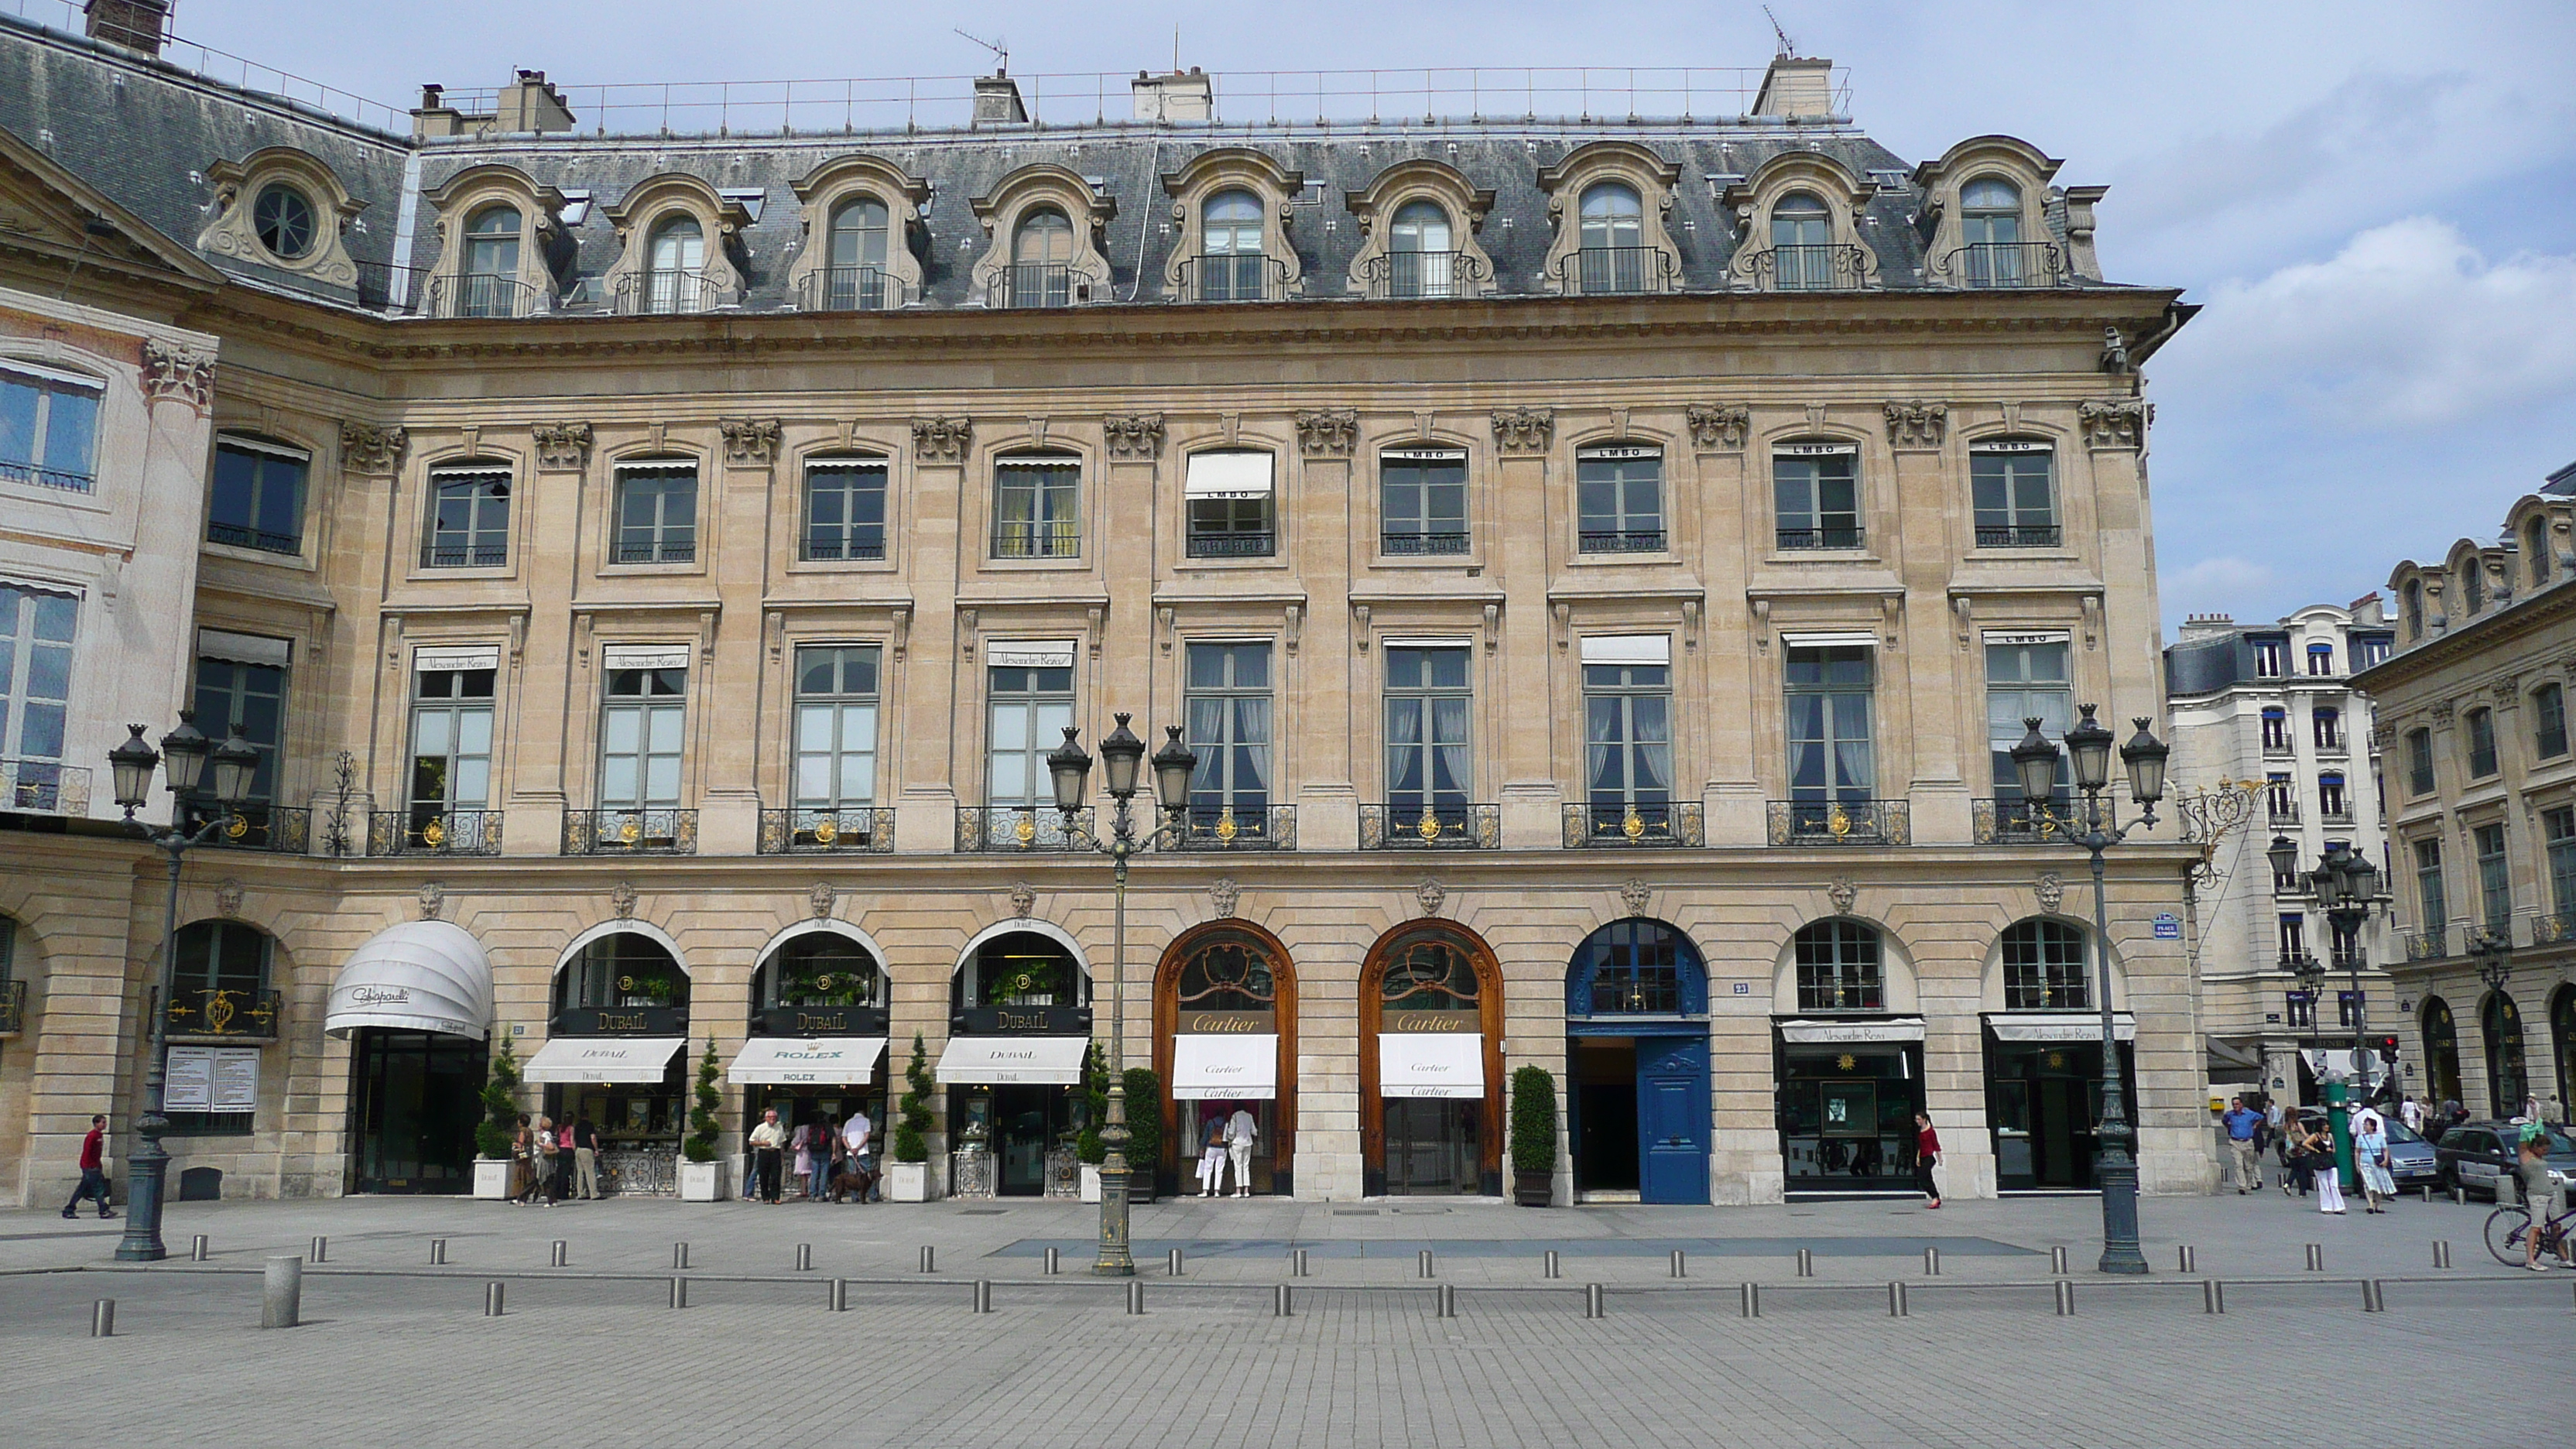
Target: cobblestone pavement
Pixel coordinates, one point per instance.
(395, 1350)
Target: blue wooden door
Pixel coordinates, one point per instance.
(1672, 1118)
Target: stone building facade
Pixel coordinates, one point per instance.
(1593, 570)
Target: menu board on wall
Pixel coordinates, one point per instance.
(211, 1079)
(236, 1079)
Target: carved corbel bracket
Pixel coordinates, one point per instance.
(1690, 623)
(966, 633)
(564, 447)
(1360, 627)
(1163, 627)
(1134, 437)
(1296, 614)
(1493, 627)
(365, 448)
(751, 442)
(941, 440)
(1762, 623)
(1564, 613)
(1328, 432)
(1717, 427)
(178, 372)
(1523, 430)
(902, 630)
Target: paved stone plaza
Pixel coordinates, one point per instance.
(393, 1347)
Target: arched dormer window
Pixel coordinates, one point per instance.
(489, 285)
(855, 278)
(1983, 211)
(1990, 218)
(1802, 244)
(2412, 606)
(1418, 221)
(1613, 255)
(283, 208)
(678, 232)
(1231, 265)
(2473, 587)
(1609, 202)
(674, 259)
(1042, 260)
(282, 218)
(1422, 252)
(2535, 546)
(862, 220)
(502, 239)
(1232, 207)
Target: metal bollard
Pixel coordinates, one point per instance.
(197, 1251)
(2374, 1296)
(838, 1300)
(1749, 1300)
(561, 1256)
(1279, 1305)
(1551, 1267)
(492, 1300)
(983, 1300)
(1445, 1303)
(2213, 1296)
(2057, 1259)
(679, 1292)
(930, 1260)
(1054, 1261)
(1596, 1302)
(1298, 1263)
(1135, 1295)
(679, 1255)
(2427, 1190)
(1681, 1268)
(2316, 1257)
(281, 1294)
(438, 1252)
(1806, 1263)
(321, 1250)
(1422, 1264)
(1932, 1262)
(1896, 1304)
(2441, 1255)
(2459, 1196)
(1173, 1265)
(804, 1257)
(102, 1318)
(2186, 1259)
(2065, 1298)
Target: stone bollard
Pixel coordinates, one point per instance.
(1749, 1300)
(804, 1257)
(102, 1318)
(1897, 1306)
(198, 1252)
(1681, 1268)
(1297, 1263)
(1422, 1264)
(2057, 1259)
(679, 1292)
(1172, 1264)
(560, 1256)
(1135, 1296)
(492, 1294)
(2374, 1296)
(2213, 1296)
(2441, 1255)
(1552, 1268)
(1054, 1261)
(438, 1252)
(929, 1260)
(1446, 1302)
(679, 1255)
(2316, 1257)
(2065, 1298)
(1596, 1301)
(2186, 1259)
(983, 1300)
(1806, 1263)
(281, 1294)
(1279, 1304)
(1931, 1262)
(321, 1250)
(838, 1300)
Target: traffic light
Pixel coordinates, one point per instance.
(2387, 1048)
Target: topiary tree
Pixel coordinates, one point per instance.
(1533, 1120)
(500, 1125)
(1144, 1128)
(701, 1143)
(1095, 1097)
(912, 1132)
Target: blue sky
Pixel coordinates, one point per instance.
(2377, 202)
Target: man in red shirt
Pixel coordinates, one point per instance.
(93, 1165)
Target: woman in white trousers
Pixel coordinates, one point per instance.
(2329, 1177)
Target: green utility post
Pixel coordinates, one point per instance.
(2340, 1115)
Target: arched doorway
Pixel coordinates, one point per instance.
(1019, 1023)
(614, 1053)
(415, 1003)
(1636, 1026)
(2441, 1052)
(817, 1031)
(2500, 1023)
(1849, 1062)
(1431, 1063)
(2044, 1058)
(223, 1013)
(1225, 1040)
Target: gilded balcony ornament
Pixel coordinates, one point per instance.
(1634, 827)
(236, 827)
(1226, 829)
(826, 830)
(1838, 824)
(631, 830)
(434, 834)
(219, 1010)
(1429, 829)
(1026, 831)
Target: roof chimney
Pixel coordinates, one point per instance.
(997, 101)
(1796, 88)
(133, 24)
(1181, 96)
(531, 103)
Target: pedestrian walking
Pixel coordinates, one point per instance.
(93, 1168)
(523, 1152)
(2411, 1112)
(1212, 1157)
(1240, 1131)
(801, 1143)
(2241, 1122)
(2329, 1176)
(2541, 1198)
(585, 1158)
(855, 1133)
(549, 1156)
(822, 1147)
(768, 1146)
(2292, 1149)
(2370, 1162)
(1927, 1155)
(2530, 1108)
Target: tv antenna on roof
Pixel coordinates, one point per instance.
(1787, 46)
(1000, 48)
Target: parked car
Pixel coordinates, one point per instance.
(2478, 1156)
(2412, 1161)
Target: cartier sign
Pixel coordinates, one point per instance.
(1227, 1023)
(1440, 1021)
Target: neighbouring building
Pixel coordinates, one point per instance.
(2481, 793)
(2269, 712)
(1598, 569)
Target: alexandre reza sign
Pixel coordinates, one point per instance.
(1432, 1021)
(1227, 1023)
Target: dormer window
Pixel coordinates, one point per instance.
(855, 277)
(1802, 252)
(674, 261)
(489, 285)
(1231, 264)
(2535, 543)
(2413, 595)
(1422, 256)
(1042, 260)
(1990, 219)
(2473, 588)
(282, 217)
(1613, 257)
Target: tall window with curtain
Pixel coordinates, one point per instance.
(855, 278)
(1815, 492)
(1612, 258)
(1231, 266)
(2495, 879)
(2432, 899)
(1832, 760)
(1628, 744)
(2026, 679)
(1037, 507)
(1430, 763)
(1042, 260)
(1227, 709)
(469, 518)
(36, 633)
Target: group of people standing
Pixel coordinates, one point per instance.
(2306, 1148)
(831, 1157)
(556, 1162)
(1228, 1142)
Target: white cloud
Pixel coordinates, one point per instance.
(2408, 327)
(2213, 585)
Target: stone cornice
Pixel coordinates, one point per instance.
(2537, 611)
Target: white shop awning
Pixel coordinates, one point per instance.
(988, 1061)
(1228, 475)
(2058, 1025)
(605, 1059)
(415, 976)
(1893, 1028)
(1431, 1064)
(1226, 1067)
(837, 1061)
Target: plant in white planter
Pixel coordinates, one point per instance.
(494, 1135)
(702, 1177)
(908, 1176)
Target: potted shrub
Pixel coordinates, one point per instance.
(1533, 1137)
(1087, 1146)
(702, 1177)
(1144, 1132)
(498, 1129)
(908, 1177)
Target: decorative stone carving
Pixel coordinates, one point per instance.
(1134, 436)
(1431, 894)
(1715, 426)
(2115, 352)
(941, 440)
(562, 445)
(2507, 692)
(1636, 895)
(821, 898)
(621, 897)
(228, 899)
(433, 900)
(2442, 713)
(1842, 891)
(750, 440)
(1524, 430)
(2051, 891)
(177, 372)
(2116, 423)
(1917, 424)
(368, 449)
(1223, 894)
(1328, 432)
(1023, 899)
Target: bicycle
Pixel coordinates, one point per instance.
(2508, 1227)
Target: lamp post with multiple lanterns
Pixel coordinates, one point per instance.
(2035, 761)
(1069, 766)
(186, 753)
(2347, 886)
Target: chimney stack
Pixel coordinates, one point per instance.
(1181, 96)
(1796, 88)
(133, 24)
(997, 101)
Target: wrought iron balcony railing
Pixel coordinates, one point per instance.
(631, 830)
(1620, 540)
(1241, 543)
(1420, 544)
(238, 535)
(658, 550)
(61, 478)
(13, 1007)
(2283, 812)
(1420, 276)
(2012, 821)
(1618, 271)
(2019, 535)
(1806, 267)
(1415, 825)
(449, 554)
(2001, 264)
(1011, 829)
(1797, 538)
(845, 546)
(1234, 277)
(852, 289)
(2553, 927)
(2430, 945)
(828, 830)
(1037, 540)
(1841, 822)
(220, 1013)
(253, 826)
(1046, 284)
(43, 787)
(431, 831)
(667, 294)
(1225, 827)
(479, 294)
(1616, 825)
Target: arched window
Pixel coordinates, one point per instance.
(621, 969)
(2044, 968)
(1420, 252)
(1429, 976)
(1990, 225)
(2414, 604)
(1227, 974)
(489, 283)
(2473, 589)
(1613, 239)
(219, 956)
(1839, 967)
(1042, 260)
(1802, 252)
(1637, 968)
(2535, 543)
(1231, 265)
(855, 277)
(283, 218)
(2441, 1051)
(820, 968)
(2500, 1022)
(674, 262)
(1021, 968)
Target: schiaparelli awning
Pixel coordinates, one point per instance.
(604, 1059)
(1002, 1061)
(416, 976)
(1225, 1067)
(1431, 1064)
(837, 1061)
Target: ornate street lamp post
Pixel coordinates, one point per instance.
(1070, 767)
(2494, 953)
(2347, 886)
(2035, 761)
(187, 753)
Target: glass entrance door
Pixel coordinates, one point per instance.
(1847, 1115)
(414, 1101)
(1433, 1144)
(2044, 1100)
(1026, 1122)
